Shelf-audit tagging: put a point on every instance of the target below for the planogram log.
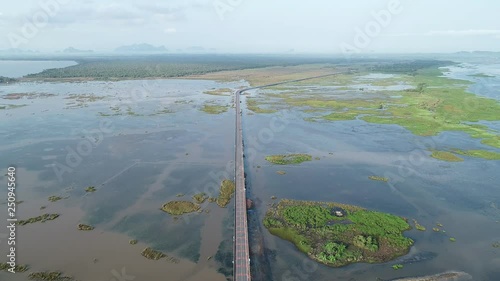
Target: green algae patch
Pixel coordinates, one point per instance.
(419, 226)
(17, 268)
(397, 266)
(253, 105)
(288, 159)
(377, 178)
(453, 239)
(152, 254)
(214, 109)
(337, 234)
(42, 218)
(200, 197)
(484, 154)
(90, 189)
(446, 156)
(180, 207)
(85, 227)
(133, 242)
(55, 198)
(49, 276)
(219, 92)
(481, 75)
(226, 192)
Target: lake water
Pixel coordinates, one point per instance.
(64, 137)
(160, 144)
(17, 68)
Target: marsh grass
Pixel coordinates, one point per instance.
(42, 218)
(446, 156)
(288, 159)
(226, 192)
(180, 207)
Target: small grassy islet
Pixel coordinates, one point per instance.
(287, 159)
(357, 235)
(42, 218)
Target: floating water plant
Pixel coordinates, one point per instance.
(287, 159)
(227, 189)
(180, 207)
(85, 227)
(377, 178)
(42, 218)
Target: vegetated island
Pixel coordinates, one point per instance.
(287, 159)
(378, 178)
(337, 234)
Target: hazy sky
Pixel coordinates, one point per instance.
(326, 26)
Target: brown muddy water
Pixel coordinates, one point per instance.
(140, 143)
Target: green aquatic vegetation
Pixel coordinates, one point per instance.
(200, 197)
(419, 226)
(452, 239)
(484, 154)
(219, 92)
(226, 192)
(446, 156)
(377, 178)
(55, 198)
(42, 218)
(214, 109)
(17, 268)
(492, 141)
(179, 195)
(85, 227)
(435, 229)
(397, 266)
(281, 172)
(90, 189)
(11, 106)
(365, 242)
(358, 235)
(287, 159)
(436, 104)
(152, 254)
(496, 244)
(133, 242)
(49, 276)
(180, 207)
(253, 105)
(481, 75)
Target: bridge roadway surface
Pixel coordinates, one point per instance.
(241, 262)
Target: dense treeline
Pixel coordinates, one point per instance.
(7, 80)
(169, 66)
(410, 67)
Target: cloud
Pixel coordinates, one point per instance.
(170, 30)
(468, 32)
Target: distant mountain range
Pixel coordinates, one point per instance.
(141, 48)
(71, 50)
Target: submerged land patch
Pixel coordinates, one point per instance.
(287, 159)
(337, 234)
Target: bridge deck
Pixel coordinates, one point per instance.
(241, 249)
